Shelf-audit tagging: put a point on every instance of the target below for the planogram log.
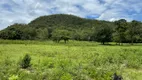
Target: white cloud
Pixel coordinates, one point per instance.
(23, 11)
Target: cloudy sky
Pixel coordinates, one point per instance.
(23, 11)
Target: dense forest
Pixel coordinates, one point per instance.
(69, 27)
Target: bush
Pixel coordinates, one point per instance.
(25, 63)
(13, 77)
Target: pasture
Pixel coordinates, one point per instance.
(76, 60)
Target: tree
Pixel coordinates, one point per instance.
(133, 31)
(58, 35)
(120, 31)
(82, 34)
(103, 33)
(29, 33)
(42, 33)
(13, 32)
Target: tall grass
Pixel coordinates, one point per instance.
(72, 61)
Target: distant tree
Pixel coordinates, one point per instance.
(133, 31)
(58, 35)
(79, 35)
(42, 33)
(120, 31)
(13, 32)
(103, 33)
(29, 33)
(49, 32)
(4, 34)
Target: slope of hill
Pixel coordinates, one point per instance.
(59, 20)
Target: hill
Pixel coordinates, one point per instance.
(52, 22)
(63, 27)
(58, 20)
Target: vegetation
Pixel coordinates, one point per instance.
(76, 60)
(59, 35)
(120, 31)
(82, 58)
(25, 63)
(103, 33)
(64, 27)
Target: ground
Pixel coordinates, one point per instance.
(72, 61)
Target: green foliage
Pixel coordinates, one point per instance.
(18, 32)
(103, 33)
(77, 60)
(42, 28)
(13, 77)
(42, 34)
(58, 20)
(26, 61)
(82, 34)
(134, 31)
(13, 32)
(120, 30)
(64, 27)
(58, 35)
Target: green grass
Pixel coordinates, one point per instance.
(72, 61)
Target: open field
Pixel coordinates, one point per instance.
(72, 61)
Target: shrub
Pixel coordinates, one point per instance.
(25, 63)
(13, 77)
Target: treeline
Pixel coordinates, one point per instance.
(64, 27)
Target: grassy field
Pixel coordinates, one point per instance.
(72, 61)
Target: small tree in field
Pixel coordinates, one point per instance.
(25, 63)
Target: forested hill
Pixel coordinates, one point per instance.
(65, 20)
(58, 21)
(63, 26)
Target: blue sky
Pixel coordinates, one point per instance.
(23, 11)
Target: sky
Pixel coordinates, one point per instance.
(24, 11)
